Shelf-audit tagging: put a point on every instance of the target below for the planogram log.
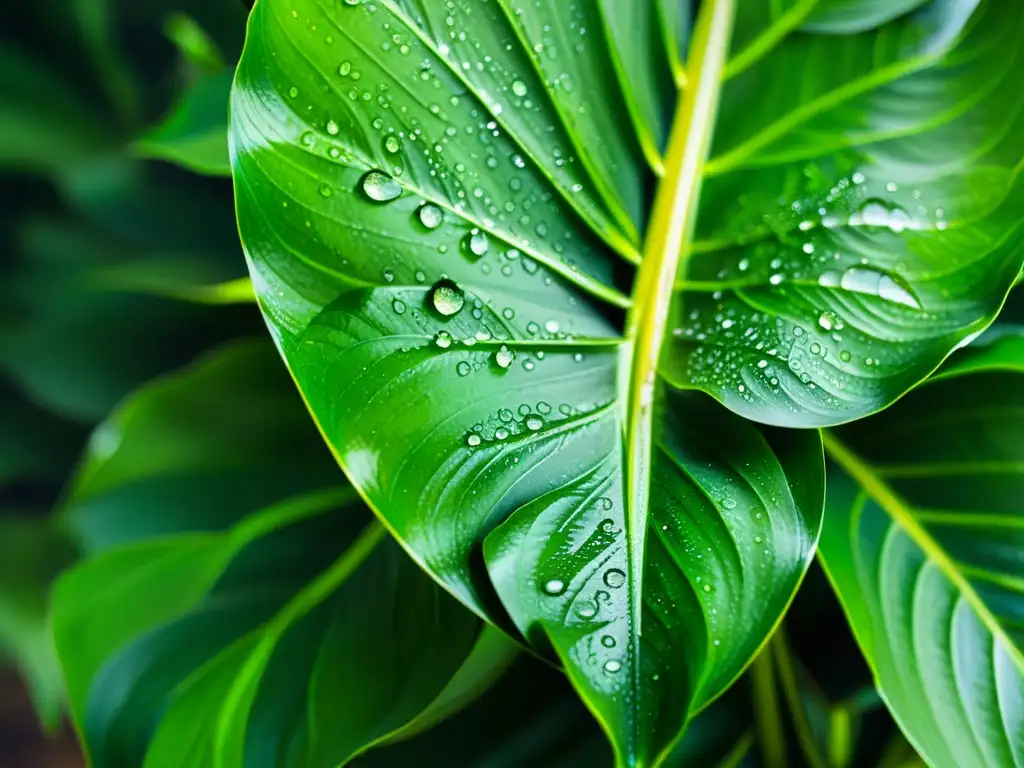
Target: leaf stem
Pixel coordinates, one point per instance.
(671, 225)
(768, 711)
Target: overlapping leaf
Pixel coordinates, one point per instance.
(241, 611)
(922, 542)
(440, 203)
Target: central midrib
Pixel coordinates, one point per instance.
(671, 226)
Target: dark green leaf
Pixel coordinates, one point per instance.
(32, 552)
(227, 618)
(439, 204)
(922, 543)
(45, 124)
(195, 45)
(530, 717)
(195, 133)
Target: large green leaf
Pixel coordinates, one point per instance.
(922, 542)
(440, 206)
(240, 610)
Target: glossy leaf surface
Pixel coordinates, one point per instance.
(922, 543)
(254, 615)
(441, 203)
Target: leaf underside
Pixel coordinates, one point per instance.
(922, 542)
(442, 208)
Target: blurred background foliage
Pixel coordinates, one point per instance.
(140, 395)
(100, 246)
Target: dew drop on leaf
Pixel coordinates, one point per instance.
(392, 144)
(473, 440)
(430, 216)
(534, 423)
(554, 587)
(614, 578)
(504, 357)
(519, 88)
(828, 320)
(612, 666)
(443, 339)
(381, 187)
(447, 297)
(463, 368)
(478, 243)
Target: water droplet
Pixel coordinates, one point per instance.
(501, 433)
(534, 423)
(873, 282)
(332, 128)
(543, 407)
(430, 216)
(399, 306)
(551, 326)
(443, 339)
(392, 144)
(293, 92)
(447, 297)
(325, 190)
(828, 320)
(389, 276)
(844, 356)
(587, 609)
(519, 88)
(707, 587)
(345, 68)
(612, 666)
(729, 502)
(554, 587)
(504, 357)
(614, 578)
(830, 279)
(473, 440)
(608, 641)
(380, 187)
(478, 243)
(463, 368)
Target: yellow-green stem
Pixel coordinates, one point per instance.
(670, 227)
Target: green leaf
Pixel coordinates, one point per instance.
(440, 206)
(195, 132)
(240, 618)
(45, 124)
(195, 45)
(32, 552)
(921, 542)
(531, 717)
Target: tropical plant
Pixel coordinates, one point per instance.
(614, 315)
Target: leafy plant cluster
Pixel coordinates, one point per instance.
(662, 344)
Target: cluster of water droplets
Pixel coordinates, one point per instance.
(435, 137)
(844, 242)
(507, 424)
(601, 600)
